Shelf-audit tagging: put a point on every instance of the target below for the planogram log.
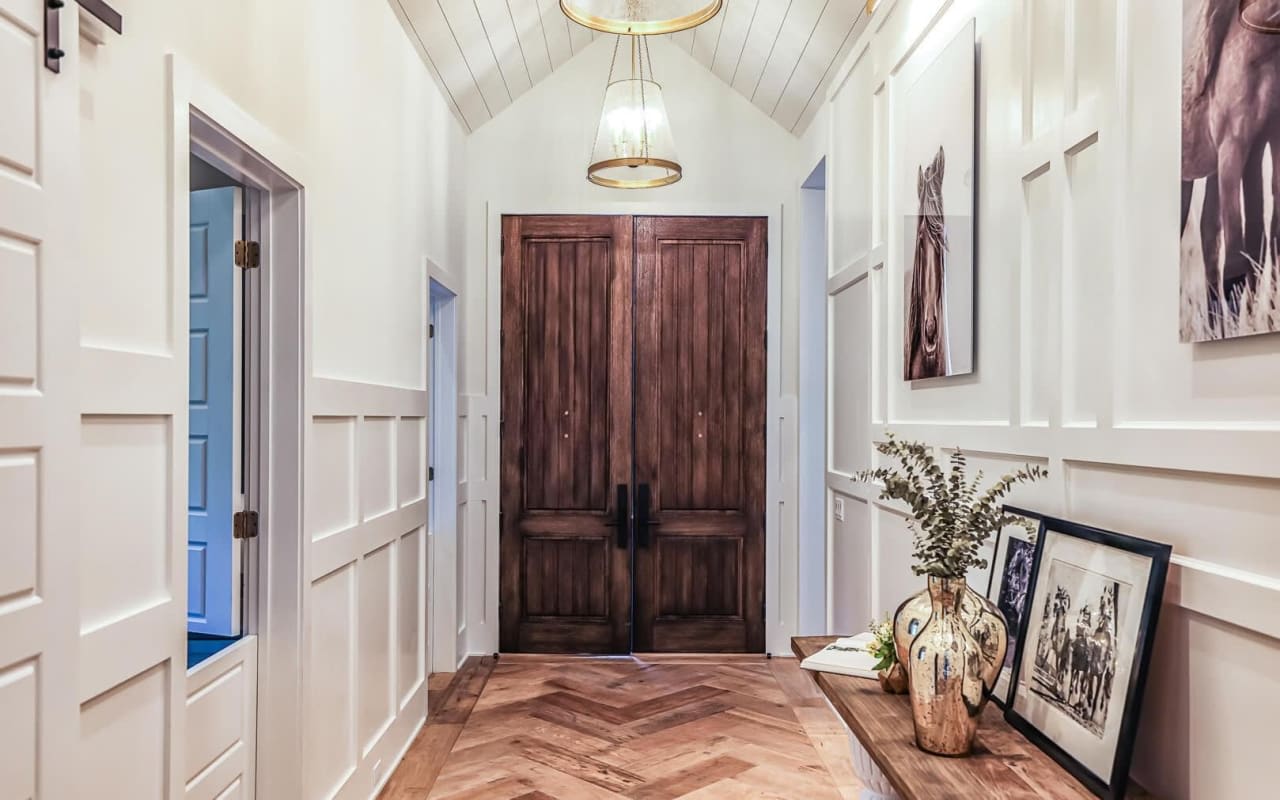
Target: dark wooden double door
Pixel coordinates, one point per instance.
(633, 432)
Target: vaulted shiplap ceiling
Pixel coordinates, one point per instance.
(780, 54)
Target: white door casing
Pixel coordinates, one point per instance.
(39, 330)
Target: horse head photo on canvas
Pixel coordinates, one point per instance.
(1230, 222)
(926, 333)
(936, 194)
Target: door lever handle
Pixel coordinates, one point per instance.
(622, 517)
(643, 499)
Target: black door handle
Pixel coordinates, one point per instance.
(642, 515)
(621, 519)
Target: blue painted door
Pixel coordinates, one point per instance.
(213, 556)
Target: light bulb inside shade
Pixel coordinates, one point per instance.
(634, 147)
(640, 17)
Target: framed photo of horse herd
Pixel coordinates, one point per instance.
(1081, 604)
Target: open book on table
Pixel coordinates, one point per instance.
(847, 656)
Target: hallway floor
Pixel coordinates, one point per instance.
(696, 727)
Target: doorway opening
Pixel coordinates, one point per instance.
(633, 434)
(811, 411)
(447, 561)
(235, 209)
(219, 461)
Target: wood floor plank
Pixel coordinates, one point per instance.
(627, 729)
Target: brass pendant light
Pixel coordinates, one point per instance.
(640, 17)
(634, 148)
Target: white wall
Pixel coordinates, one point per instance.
(339, 84)
(1078, 362)
(532, 158)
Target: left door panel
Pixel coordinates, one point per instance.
(39, 406)
(566, 434)
(213, 554)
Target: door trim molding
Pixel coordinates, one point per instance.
(780, 539)
(200, 112)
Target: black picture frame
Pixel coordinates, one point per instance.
(1112, 786)
(998, 568)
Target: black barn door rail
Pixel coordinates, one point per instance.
(53, 52)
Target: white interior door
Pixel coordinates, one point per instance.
(39, 415)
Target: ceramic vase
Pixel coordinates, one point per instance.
(953, 651)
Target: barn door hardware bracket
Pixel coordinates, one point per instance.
(248, 254)
(244, 525)
(53, 52)
(431, 331)
(53, 35)
(431, 473)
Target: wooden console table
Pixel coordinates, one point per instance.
(1004, 765)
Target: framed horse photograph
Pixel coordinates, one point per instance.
(1085, 644)
(936, 191)
(1230, 225)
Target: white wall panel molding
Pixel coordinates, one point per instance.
(220, 749)
(334, 397)
(1078, 366)
(366, 568)
(147, 390)
(349, 545)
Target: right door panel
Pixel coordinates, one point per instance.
(699, 434)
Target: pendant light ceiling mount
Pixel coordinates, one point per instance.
(640, 17)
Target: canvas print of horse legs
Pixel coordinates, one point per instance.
(936, 196)
(1230, 226)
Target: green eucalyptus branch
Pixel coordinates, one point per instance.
(951, 519)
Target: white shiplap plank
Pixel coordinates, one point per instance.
(555, 32)
(464, 22)
(684, 39)
(579, 36)
(739, 16)
(504, 41)
(793, 40)
(759, 45)
(445, 57)
(814, 89)
(707, 36)
(526, 16)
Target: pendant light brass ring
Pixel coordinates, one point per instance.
(640, 27)
(674, 173)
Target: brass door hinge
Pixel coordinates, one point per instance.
(248, 254)
(244, 525)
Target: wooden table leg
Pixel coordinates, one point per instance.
(875, 786)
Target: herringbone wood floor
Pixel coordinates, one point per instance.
(642, 728)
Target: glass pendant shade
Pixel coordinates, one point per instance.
(640, 17)
(634, 148)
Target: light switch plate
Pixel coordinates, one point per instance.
(839, 509)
